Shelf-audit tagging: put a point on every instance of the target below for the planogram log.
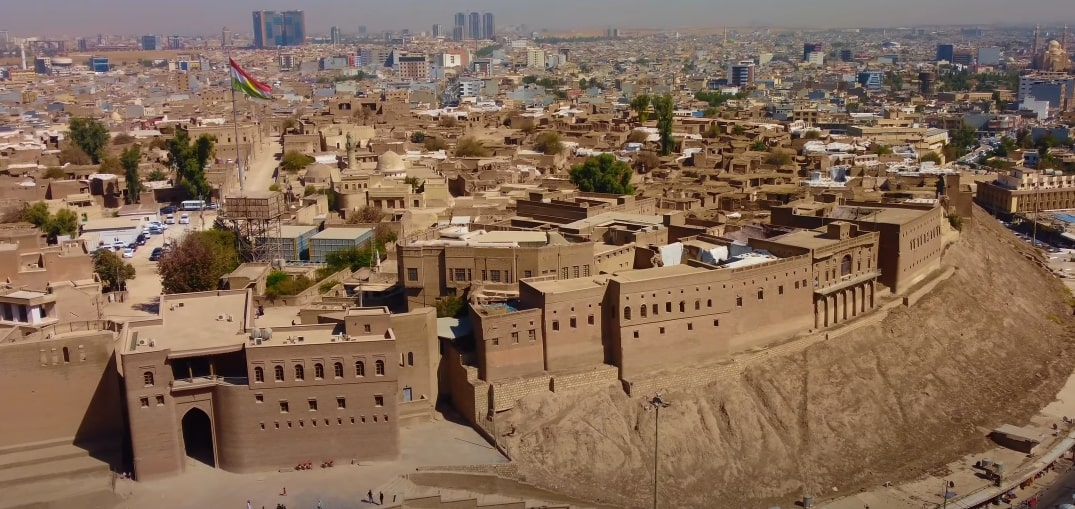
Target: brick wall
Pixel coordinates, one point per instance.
(507, 393)
(603, 374)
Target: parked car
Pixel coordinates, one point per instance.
(184, 219)
(128, 253)
(141, 240)
(170, 209)
(156, 254)
(117, 245)
(213, 206)
(170, 219)
(155, 230)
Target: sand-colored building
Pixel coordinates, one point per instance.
(204, 380)
(1025, 190)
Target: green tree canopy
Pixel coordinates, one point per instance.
(129, 160)
(113, 271)
(294, 160)
(37, 214)
(640, 105)
(664, 107)
(549, 143)
(55, 172)
(189, 161)
(63, 222)
(470, 146)
(603, 174)
(89, 135)
(198, 261)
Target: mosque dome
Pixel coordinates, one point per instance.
(391, 162)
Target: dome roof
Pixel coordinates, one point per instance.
(318, 171)
(390, 162)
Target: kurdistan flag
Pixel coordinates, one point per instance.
(245, 83)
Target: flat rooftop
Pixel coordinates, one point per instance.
(341, 233)
(291, 231)
(656, 273)
(616, 217)
(194, 323)
(877, 214)
(496, 237)
(808, 239)
(564, 285)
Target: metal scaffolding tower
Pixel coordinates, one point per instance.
(255, 217)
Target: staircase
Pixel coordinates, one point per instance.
(46, 474)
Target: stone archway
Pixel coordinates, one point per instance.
(198, 436)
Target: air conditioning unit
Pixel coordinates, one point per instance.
(141, 342)
(219, 317)
(257, 341)
(152, 343)
(229, 318)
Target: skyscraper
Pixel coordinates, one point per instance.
(488, 26)
(946, 52)
(225, 37)
(810, 47)
(474, 28)
(271, 28)
(151, 42)
(335, 35)
(436, 31)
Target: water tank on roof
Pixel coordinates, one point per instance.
(255, 333)
(266, 333)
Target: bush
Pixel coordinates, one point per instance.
(310, 189)
(931, 157)
(447, 122)
(449, 306)
(549, 143)
(778, 159)
(275, 187)
(55, 173)
(470, 147)
(603, 174)
(434, 144)
(327, 286)
(637, 137)
(156, 175)
(294, 161)
(279, 284)
(646, 161)
(955, 221)
(418, 137)
(122, 139)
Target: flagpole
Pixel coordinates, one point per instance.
(234, 118)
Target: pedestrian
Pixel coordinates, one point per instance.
(369, 496)
(248, 504)
(382, 498)
(319, 506)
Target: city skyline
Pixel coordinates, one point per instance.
(59, 18)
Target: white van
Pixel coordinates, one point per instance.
(192, 205)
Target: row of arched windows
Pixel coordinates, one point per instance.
(643, 310)
(319, 371)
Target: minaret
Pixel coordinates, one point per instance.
(351, 161)
(1037, 35)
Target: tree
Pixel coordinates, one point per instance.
(156, 175)
(434, 144)
(122, 139)
(37, 214)
(71, 154)
(110, 165)
(603, 174)
(413, 182)
(449, 306)
(663, 106)
(129, 160)
(778, 159)
(646, 161)
(962, 140)
(447, 122)
(881, 150)
(738, 130)
(198, 262)
(366, 214)
(189, 161)
(549, 143)
(640, 105)
(55, 173)
(930, 157)
(113, 271)
(469, 146)
(353, 258)
(418, 137)
(711, 132)
(637, 137)
(759, 146)
(63, 222)
(812, 134)
(89, 135)
(294, 161)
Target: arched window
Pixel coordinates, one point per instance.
(845, 265)
(668, 307)
(300, 372)
(360, 368)
(682, 306)
(278, 373)
(379, 366)
(147, 378)
(627, 312)
(319, 371)
(697, 305)
(337, 370)
(410, 358)
(709, 303)
(66, 355)
(642, 311)
(259, 374)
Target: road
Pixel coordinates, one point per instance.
(259, 174)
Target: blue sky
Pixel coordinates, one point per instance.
(81, 17)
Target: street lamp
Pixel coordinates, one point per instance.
(658, 404)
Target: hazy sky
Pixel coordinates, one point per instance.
(82, 17)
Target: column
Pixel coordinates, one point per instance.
(817, 314)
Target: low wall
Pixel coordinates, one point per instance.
(507, 393)
(308, 296)
(603, 374)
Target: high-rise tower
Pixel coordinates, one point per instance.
(488, 26)
(474, 26)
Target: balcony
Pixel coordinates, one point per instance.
(847, 281)
(201, 382)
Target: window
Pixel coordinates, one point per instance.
(337, 369)
(575, 271)
(585, 271)
(716, 323)
(144, 400)
(709, 303)
(589, 319)
(796, 285)
(367, 327)
(780, 290)
(379, 367)
(574, 322)
(690, 326)
(460, 274)
(300, 373)
(662, 330)
(494, 276)
(636, 334)
(259, 374)
(739, 301)
(682, 306)
(66, 352)
(378, 400)
(283, 406)
(259, 398)
(278, 373)
(668, 307)
(627, 312)
(412, 274)
(642, 311)
(515, 337)
(845, 266)
(697, 305)
(528, 273)
(556, 325)
(319, 371)
(495, 341)
(761, 294)
(341, 403)
(313, 404)
(147, 378)
(563, 273)
(531, 335)
(360, 368)
(410, 358)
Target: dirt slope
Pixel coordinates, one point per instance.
(885, 403)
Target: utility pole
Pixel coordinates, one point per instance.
(657, 403)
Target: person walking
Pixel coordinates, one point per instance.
(382, 498)
(319, 505)
(369, 496)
